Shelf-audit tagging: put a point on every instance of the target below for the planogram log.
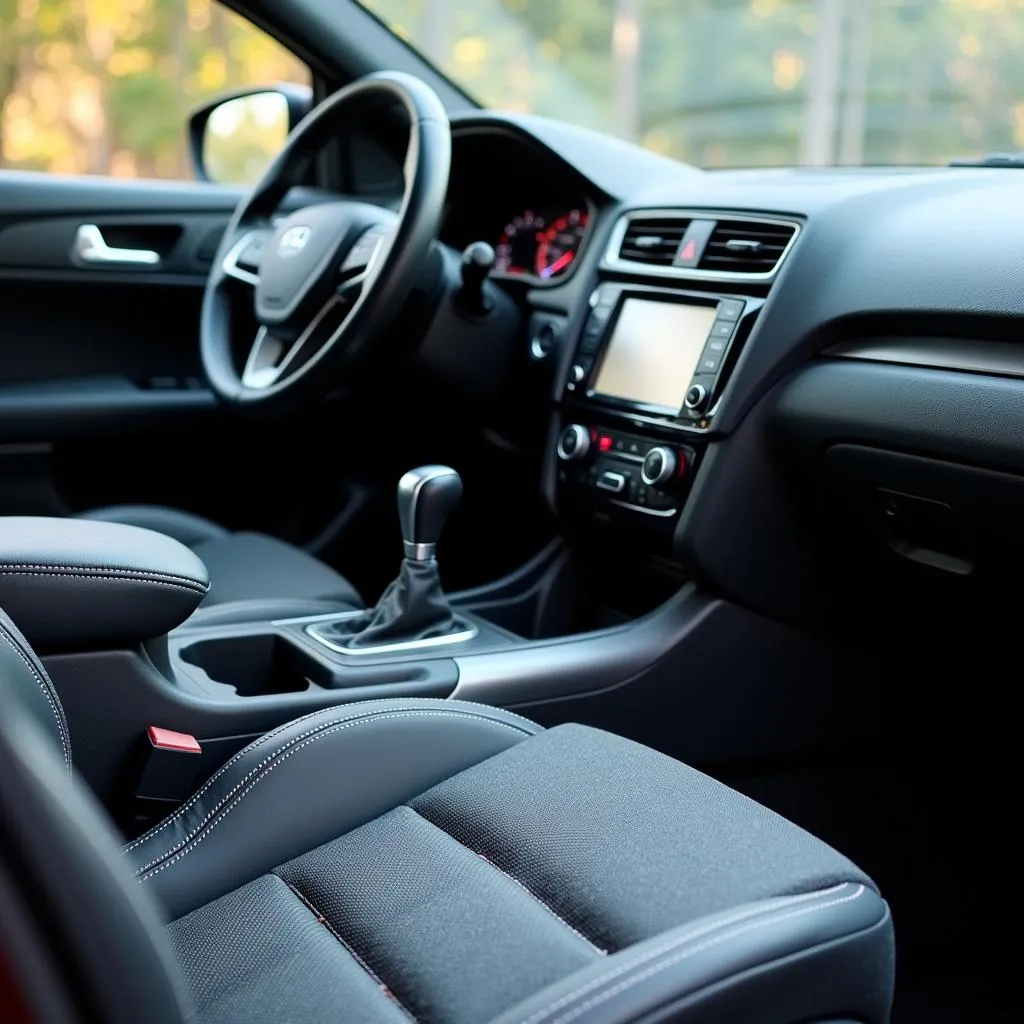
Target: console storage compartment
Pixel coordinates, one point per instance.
(253, 665)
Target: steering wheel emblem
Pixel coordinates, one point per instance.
(293, 241)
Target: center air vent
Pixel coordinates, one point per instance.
(653, 241)
(700, 243)
(746, 247)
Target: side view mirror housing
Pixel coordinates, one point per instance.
(233, 138)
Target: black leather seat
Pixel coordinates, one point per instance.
(431, 861)
(250, 567)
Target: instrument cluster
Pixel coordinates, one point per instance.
(541, 244)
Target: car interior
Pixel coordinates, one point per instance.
(485, 570)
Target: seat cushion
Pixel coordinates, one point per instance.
(252, 565)
(185, 527)
(572, 869)
(245, 567)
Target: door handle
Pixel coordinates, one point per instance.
(91, 247)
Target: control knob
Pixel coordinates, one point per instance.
(660, 467)
(696, 398)
(574, 443)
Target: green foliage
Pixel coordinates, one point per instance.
(105, 86)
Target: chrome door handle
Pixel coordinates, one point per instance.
(91, 247)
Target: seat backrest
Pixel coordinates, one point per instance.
(76, 931)
(26, 683)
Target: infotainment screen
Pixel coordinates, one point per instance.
(653, 352)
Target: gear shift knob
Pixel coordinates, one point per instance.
(427, 496)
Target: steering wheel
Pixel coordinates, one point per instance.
(326, 280)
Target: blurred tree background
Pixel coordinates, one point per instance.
(105, 86)
(732, 83)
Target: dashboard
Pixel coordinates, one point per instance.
(533, 210)
(855, 335)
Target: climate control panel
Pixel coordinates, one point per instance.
(606, 467)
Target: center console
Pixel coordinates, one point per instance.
(637, 390)
(639, 399)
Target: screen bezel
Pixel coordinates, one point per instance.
(599, 397)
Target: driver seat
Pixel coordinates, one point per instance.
(246, 569)
(424, 861)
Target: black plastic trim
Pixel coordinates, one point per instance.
(943, 413)
(62, 408)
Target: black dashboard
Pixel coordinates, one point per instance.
(878, 310)
(533, 209)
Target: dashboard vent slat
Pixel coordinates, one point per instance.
(746, 247)
(652, 241)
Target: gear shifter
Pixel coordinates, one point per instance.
(426, 498)
(414, 607)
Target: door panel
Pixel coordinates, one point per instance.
(102, 397)
(90, 345)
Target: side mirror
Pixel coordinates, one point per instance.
(234, 138)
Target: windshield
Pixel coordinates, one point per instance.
(742, 83)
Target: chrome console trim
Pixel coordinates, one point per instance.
(997, 358)
(408, 645)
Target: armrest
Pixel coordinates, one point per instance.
(74, 584)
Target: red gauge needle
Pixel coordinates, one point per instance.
(563, 261)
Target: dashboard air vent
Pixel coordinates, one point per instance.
(746, 247)
(654, 241)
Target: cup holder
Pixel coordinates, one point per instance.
(255, 666)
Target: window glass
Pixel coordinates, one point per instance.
(106, 86)
(732, 83)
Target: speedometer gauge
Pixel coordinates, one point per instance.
(559, 244)
(516, 252)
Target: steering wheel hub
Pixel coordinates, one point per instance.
(327, 279)
(299, 269)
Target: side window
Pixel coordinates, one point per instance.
(106, 86)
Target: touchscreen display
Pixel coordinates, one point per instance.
(653, 352)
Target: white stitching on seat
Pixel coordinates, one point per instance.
(65, 740)
(122, 576)
(655, 968)
(104, 568)
(216, 815)
(694, 933)
(248, 748)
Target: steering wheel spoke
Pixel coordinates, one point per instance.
(244, 258)
(272, 358)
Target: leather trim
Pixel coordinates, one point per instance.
(182, 526)
(12, 636)
(244, 566)
(75, 584)
(309, 782)
(125, 575)
(267, 609)
(703, 957)
(106, 940)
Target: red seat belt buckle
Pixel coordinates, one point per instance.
(170, 767)
(166, 739)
